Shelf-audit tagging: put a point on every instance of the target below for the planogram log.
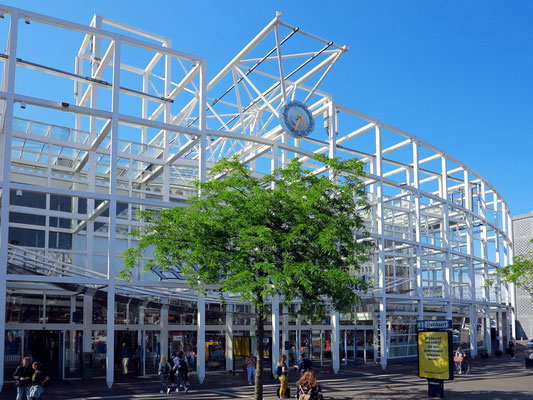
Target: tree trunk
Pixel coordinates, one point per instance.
(260, 333)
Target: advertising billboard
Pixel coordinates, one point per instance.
(435, 354)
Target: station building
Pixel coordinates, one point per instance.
(102, 120)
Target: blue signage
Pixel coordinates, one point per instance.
(434, 324)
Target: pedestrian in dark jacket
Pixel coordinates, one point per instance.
(23, 375)
(511, 348)
(308, 386)
(182, 372)
(304, 364)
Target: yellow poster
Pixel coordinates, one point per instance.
(433, 355)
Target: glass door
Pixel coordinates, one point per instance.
(72, 354)
(152, 352)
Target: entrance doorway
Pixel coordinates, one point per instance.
(44, 347)
(127, 342)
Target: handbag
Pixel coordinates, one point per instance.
(36, 391)
(303, 395)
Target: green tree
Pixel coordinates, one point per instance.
(520, 273)
(291, 233)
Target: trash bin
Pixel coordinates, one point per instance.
(87, 365)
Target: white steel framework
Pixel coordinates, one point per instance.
(144, 121)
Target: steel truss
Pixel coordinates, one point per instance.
(144, 121)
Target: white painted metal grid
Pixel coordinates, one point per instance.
(439, 227)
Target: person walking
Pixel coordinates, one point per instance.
(308, 388)
(136, 360)
(23, 375)
(125, 355)
(250, 362)
(164, 373)
(511, 348)
(458, 359)
(304, 364)
(39, 381)
(281, 372)
(465, 366)
(182, 370)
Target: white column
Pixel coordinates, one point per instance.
(500, 329)
(381, 250)
(163, 321)
(383, 333)
(275, 331)
(508, 324)
(473, 330)
(335, 341)
(229, 337)
(88, 320)
(202, 141)
(200, 340)
(488, 343)
(111, 251)
(285, 326)
(9, 78)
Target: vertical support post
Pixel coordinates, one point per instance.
(467, 187)
(111, 256)
(418, 235)
(446, 242)
(200, 339)
(87, 320)
(335, 341)
(9, 80)
(91, 178)
(487, 338)
(285, 327)
(508, 324)
(500, 329)
(229, 337)
(167, 119)
(202, 105)
(163, 322)
(384, 348)
(332, 133)
(275, 331)
(473, 330)
(381, 249)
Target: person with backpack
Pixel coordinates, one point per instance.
(164, 373)
(39, 381)
(308, 388)
(281, 372)
(249, 363)
(182, 371)
(23, 375)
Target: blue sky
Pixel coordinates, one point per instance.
(458, 74)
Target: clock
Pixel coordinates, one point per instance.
(296, 119)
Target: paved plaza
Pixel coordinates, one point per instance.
(495, 378)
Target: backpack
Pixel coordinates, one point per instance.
(279, 370)
(305, 395)
(182, 366)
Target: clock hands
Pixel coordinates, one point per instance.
(298, 122)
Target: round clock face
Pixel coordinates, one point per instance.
(296, 119)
